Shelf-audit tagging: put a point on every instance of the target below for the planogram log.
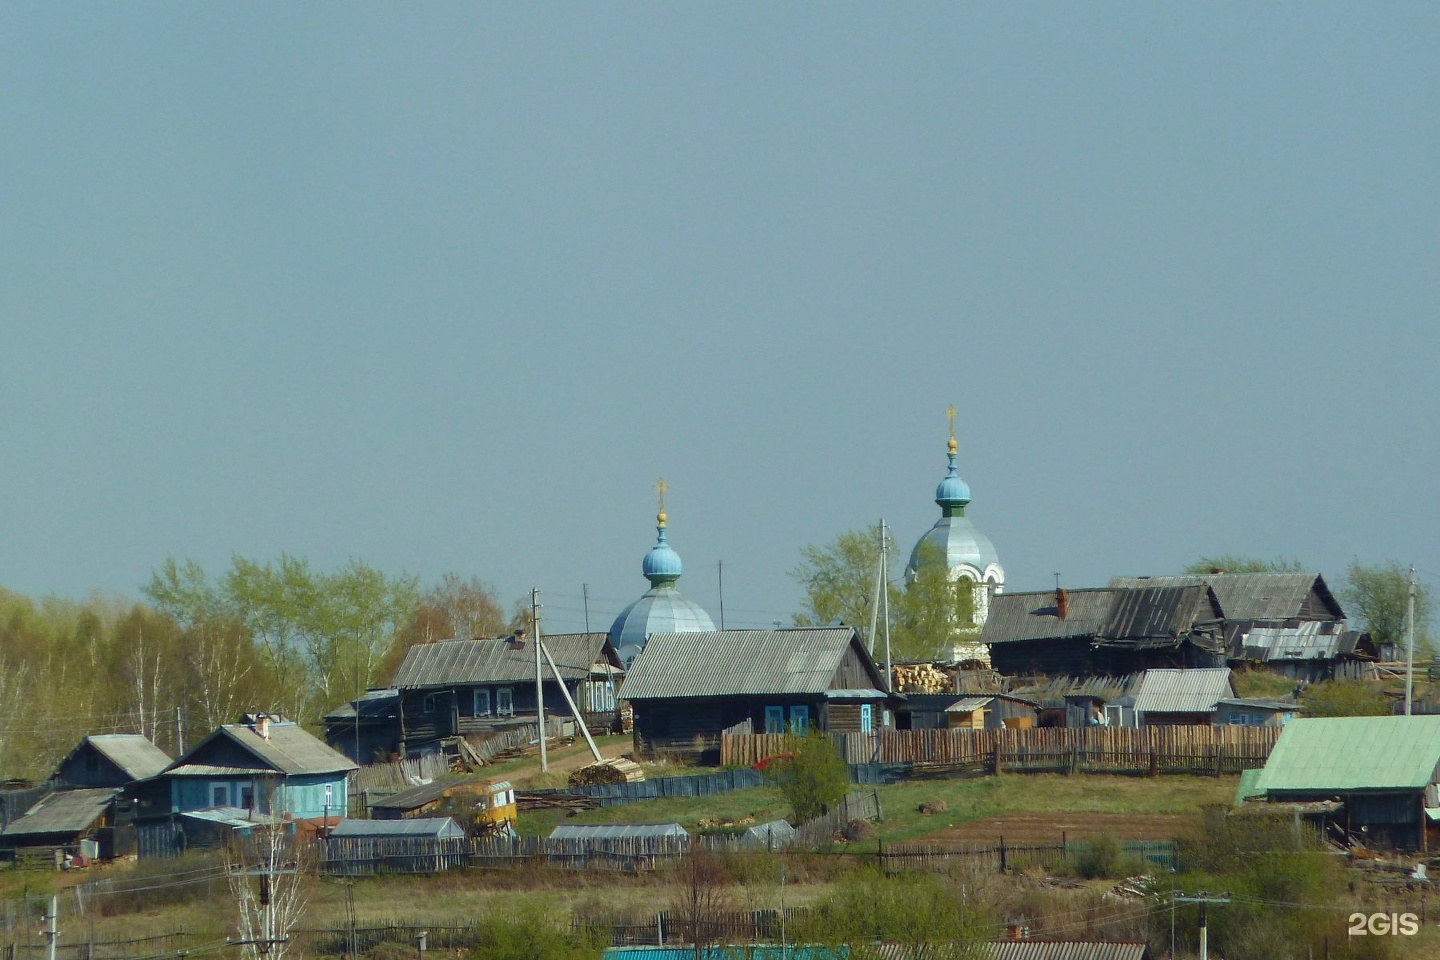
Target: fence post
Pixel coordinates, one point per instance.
(1219, 757)
(1002, 853)
(1154, 761)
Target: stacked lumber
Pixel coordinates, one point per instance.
(922, 678)
(618, 770)
(568, 802)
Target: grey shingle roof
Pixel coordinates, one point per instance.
(1256, 596)
(289, 750)
(1195, 690)
(1032, 616)
(69, 811)
(1052, 693)
(136, 756)
(1156, 615)
(373, 704)
(724, 663)
(451, 662)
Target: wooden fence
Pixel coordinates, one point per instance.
(1146, 750)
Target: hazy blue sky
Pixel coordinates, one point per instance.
(446, 287)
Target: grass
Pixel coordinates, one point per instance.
(971, 799)
(1262, 684)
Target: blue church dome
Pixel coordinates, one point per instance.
(662, 609)
(954, 539)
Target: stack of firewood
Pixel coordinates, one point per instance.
(922, 678)
(618, 770)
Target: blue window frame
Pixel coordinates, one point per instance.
(800, 720)
(774, 719)
(867, 718)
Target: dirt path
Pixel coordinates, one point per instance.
(566, 759)
(1047, 828)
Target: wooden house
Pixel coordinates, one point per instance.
(686, 688)
(1253, 712)
(73, 821)
(1181, 697)
(367, 729)
(266, 766)
(1381, 770)
(473, 688)
(110, 760)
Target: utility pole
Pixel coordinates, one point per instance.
(885, 599)
(585, 598)
(51, 932)
(179, 732)
(1410, 642)
(539, 679)
(720, 572)
(879, 586)
(1203, 901)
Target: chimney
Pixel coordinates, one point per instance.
(262, 726)
(1062, 603)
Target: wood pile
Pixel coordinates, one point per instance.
(618, 770)
(526, 750)
(922, 678)
(568, 802)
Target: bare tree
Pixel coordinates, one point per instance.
(267, 881)
(701, 899)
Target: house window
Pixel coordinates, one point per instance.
(1115, 715)
(800, 720)
(774, 719)
(867, 718)
(482, 702)
(329, 793)
(504, 702)
(247, 797)
(220, 795)
(428, 704)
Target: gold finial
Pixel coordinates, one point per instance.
(660, 489)
(950, 412)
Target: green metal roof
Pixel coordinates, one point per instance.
(1337, 754)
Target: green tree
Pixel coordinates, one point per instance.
(927, 915)
(934, 611)
(813, 778)
(1344, 698)
(1234, 563)
(1378, 595)
(839, 580)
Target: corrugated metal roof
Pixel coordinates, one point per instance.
(288, 749)
(373, 704)
(234, 817)
(1032, 616)
(68, 811)
(1183, 691)
(615, 831)
(214, 770)
(132, 753)
(1335, 754)
(1165, 614)
(1260, 703)
(1308, 640)
(1252, 596)
(451, 662)
(1066, 950)
(968, 704)
(724, 663)
(440, 827)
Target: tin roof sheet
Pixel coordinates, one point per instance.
(723, 663)
(1256, 596)
(66, 811)
(1195, 690)
(440, 827)
(288, 749)
(1337, 754)
(505, 660)
(1158, 613)
(615, 831)
(237, 818)
(1307, 640)
(416, 797)
(1034, 616)
(372, 705)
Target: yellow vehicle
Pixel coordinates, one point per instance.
(494, 807)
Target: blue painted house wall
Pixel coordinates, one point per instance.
(302, 797)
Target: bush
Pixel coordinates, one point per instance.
(812, 779)
(1345, 698)
(1104, 858)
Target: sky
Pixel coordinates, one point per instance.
(446, 288)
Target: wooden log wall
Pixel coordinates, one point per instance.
(1147, 750)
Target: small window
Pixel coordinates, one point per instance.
(247, 797)
(867, 718)
(504, 702)
(1115, 715)
(774, 719)
(329, 794)
(482, 702)
(428, 704)
(220, 795)
(800, 721)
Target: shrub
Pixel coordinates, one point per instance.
(812, 779)
(1104, 858)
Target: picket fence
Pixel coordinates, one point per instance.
(1146, 750)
